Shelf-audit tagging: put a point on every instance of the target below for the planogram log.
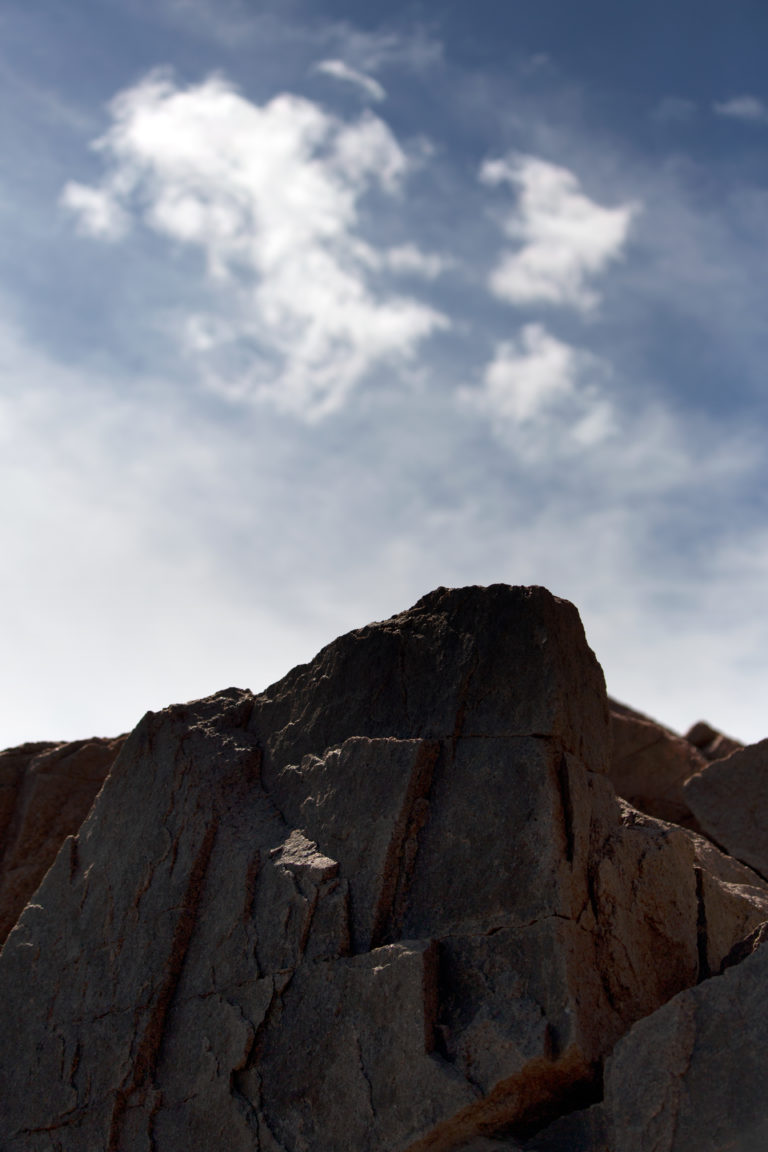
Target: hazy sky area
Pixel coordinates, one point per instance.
(307, 308)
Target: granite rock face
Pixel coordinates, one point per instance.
(393, 903)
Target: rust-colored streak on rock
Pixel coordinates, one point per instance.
(517, 1105)
(401, 856)
(150, 1021)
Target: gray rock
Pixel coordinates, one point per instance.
(391, 904)
(693, 1075)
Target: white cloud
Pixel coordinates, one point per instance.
(541, 396)
(270, 194)
(525, 378)
(98, 212)
(565, 238)
(748, 108)
(341, 71)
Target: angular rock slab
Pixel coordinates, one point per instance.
(712, 745)
(729, 799)
(649, 765)
(693, 1075)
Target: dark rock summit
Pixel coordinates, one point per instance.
(423, 894)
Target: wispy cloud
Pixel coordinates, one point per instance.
(269, 194)
(565, 238)
(341, 71)
(541, 396)
(747, 108)
(98, 211)
(416, 51)
(410, 260)
(674, 110)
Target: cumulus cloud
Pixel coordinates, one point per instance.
(270, 195)
(341, 71)
(539, 391)
(565, 239)
(747, 108)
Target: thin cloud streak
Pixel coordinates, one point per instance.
(749, 109)
(341, 71)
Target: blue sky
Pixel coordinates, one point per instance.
(308, 308)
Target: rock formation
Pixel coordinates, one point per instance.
(392, 903)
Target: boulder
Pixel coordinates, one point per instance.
(729, 799)
(46, 791)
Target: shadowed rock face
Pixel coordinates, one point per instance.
(730, 801)
(393, 903)
(649, 765)
(46, 791)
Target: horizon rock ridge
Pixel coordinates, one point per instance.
(432, 892)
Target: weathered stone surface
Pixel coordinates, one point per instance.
(693, 1075)
(46, 791)
(729, 799)
(393, 904)
(583, 1130)
(649, 765)
(712, 745)
(733, 900)
(507, 662)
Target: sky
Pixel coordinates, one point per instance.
(309, 307)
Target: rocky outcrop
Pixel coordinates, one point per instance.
(393, 903)
(46, 791)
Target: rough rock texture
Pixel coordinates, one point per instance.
(730, 801)
(649, 765)
(46, 790)
(693, 1075)
(391, 904)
